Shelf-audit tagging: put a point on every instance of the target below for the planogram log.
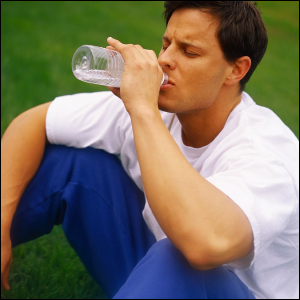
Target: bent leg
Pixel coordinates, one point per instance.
(98, 205)
(164, 273)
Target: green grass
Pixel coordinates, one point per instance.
(275, 83)
(38, 40)
(48, 268)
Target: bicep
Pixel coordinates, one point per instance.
(36, 117)
(263, 191)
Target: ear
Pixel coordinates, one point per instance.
(239, 70)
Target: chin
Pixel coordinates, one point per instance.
(165, 103)
(167, 107)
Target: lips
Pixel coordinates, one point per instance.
(170, 81)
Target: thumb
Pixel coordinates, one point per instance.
(111, 48)
(115, 91)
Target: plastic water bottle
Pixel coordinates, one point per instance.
(100, 66)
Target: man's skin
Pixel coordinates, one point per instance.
(201, 221)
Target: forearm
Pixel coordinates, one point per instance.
(22, 149)
(195, 215)
(200, 220)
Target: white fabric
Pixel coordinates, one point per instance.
(254, 160)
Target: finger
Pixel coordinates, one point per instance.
(128, 51)
(136, 52)
(115, 91)
(146, 54)
(111, 48)
(116, 44)
(5, 276)
(5, 283)
(152, 54)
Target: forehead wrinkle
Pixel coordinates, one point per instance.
(194, 36)
(184, 39)
(185, 43)
(192, 25)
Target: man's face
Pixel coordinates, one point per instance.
(192, 58)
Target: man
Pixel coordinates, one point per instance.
(220, 174)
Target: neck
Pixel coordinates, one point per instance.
(200, 128)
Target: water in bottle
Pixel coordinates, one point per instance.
(100, 66)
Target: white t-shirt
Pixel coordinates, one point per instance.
(254, 160)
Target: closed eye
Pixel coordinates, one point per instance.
(164, 48)
(190, 54)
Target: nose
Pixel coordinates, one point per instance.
(166, 60)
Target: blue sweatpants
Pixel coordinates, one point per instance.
(100, 209)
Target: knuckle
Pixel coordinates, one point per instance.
(151, 53)
(138, 66)
(153, 64)
(128, 47)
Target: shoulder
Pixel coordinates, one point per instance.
(257, 132)
(83, 99)
(255, 146)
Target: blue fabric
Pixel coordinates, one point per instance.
(100, 209)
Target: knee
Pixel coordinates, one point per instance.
(167, 253)
(90, 156)
(75, 160)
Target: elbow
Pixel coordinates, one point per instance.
(205, 258)
(201, 262)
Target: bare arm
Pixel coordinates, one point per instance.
(201, 221)
(196, 216)
(22, 149)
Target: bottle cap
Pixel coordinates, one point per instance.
(164, 79)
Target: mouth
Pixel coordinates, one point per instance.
(167, 85)
(170, 81)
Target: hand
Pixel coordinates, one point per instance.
(6, 260)
(141, 78)
(115, 90)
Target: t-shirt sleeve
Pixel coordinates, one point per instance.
(88, 120)
(264, 190)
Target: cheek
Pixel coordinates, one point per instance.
(195, 73)
(200, 89)
(205, 78)
(195, 82)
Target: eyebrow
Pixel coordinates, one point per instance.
(181, 43)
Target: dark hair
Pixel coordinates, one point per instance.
(241, 30)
